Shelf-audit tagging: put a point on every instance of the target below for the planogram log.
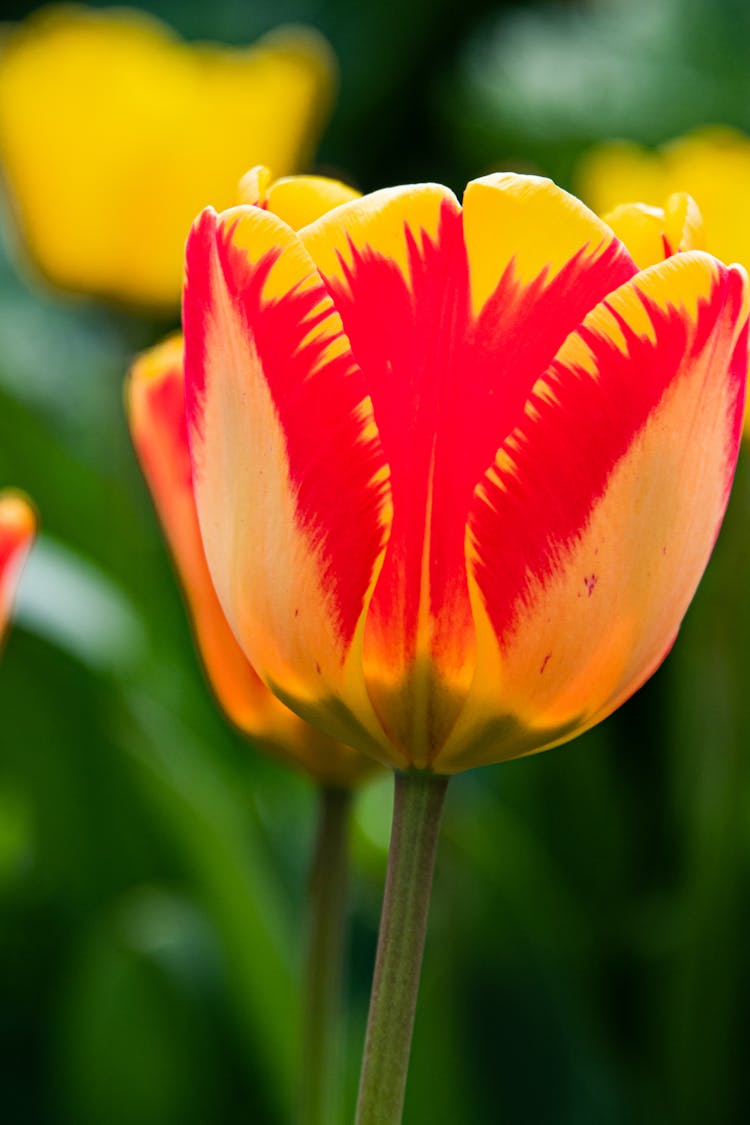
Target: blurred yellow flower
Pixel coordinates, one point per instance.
(114, 134)
(712, 164)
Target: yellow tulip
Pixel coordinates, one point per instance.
(114, 133)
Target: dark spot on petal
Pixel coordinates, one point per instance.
(590, 582)
(317, 668)
(545, 663)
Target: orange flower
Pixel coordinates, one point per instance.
(114, 133)
(17, 529)
(458, 470)
(156, 406)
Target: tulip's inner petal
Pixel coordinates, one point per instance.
(452, 317)
(298, 200)
(17, 527)
(641, 228)
(588, 536)
(654, 233)
(290, 481)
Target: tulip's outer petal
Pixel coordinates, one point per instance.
(17, 529)
(114, 134)
(652, 234)
(298, 200)
(588, 536)
(156, 407)
(452, 316)
(290, 481)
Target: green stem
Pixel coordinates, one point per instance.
(418, 803)
(319, 1085)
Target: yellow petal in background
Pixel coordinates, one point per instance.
(114, 134)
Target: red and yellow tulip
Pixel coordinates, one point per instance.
(458, 469)
(156, 407)
(114, 133)
(17, 529)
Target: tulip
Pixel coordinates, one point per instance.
(114, 133)
(156, 407)
(17, 529)
(458, 472)
(444, 459)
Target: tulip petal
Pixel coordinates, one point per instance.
(452, 317)
(388, 262)
(156, 404)
(17, 529)
(290, 481)
(298, 200)
(654, 233)
(588, 537)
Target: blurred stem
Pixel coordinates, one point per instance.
(319, 1085)
(417, 807)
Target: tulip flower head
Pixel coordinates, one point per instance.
(156, 408)
(17, 529)
(113, 134)
(458, 469)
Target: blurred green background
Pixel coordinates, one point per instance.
(587, 959)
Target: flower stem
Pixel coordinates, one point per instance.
(418, 803)
(319, 1085)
